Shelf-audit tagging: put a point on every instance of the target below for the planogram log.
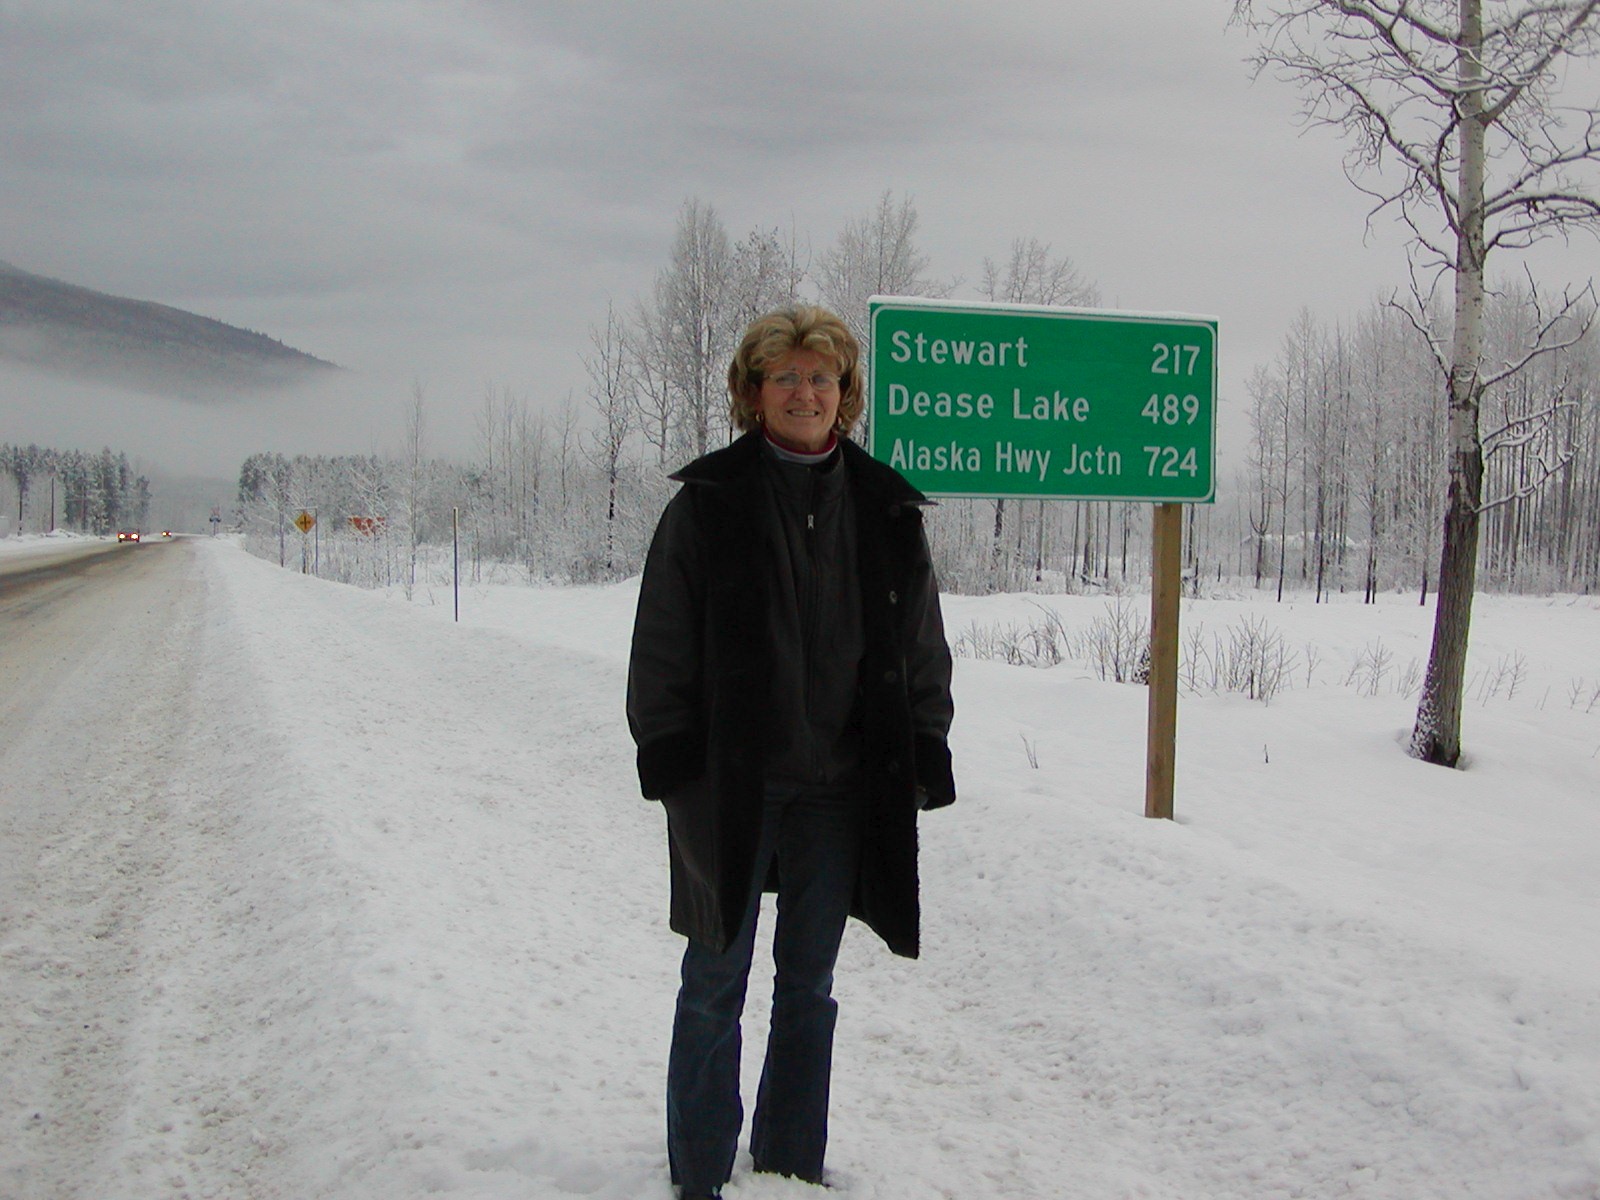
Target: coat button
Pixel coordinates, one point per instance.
(893, 766)
(894, 597)
(890, 676)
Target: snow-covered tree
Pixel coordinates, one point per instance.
(693, 319)
(875, 255)
(1030, 274)
(610, 394)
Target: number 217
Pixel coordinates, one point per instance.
(1173, 359)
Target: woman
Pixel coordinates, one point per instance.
(789, 693)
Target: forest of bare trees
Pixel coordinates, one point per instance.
(1347, 468)
(572, 493)
(1338, 491)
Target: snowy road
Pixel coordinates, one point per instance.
(298, 908)
(96, 657)
(32, 564)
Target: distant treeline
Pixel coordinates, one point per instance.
(74, 489)
(1347, 470)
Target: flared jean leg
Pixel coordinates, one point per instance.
(818, 847)
(704, 1113)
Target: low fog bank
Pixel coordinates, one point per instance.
(209, 437)
(191, 449)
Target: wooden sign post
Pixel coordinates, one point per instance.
(1166, 588)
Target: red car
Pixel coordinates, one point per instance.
(127, 535)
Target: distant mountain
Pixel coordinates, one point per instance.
(69, 330)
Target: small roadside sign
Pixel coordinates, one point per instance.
(305, 521)
(1010, 400)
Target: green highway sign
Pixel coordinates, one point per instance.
(1006, 400)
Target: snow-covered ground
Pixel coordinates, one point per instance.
(29, 547)
(413, 939)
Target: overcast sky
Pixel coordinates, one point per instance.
(450, 192)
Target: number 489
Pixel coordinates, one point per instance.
(1172, 410)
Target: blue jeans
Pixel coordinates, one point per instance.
(816, 841)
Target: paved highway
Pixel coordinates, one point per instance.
(95, 694)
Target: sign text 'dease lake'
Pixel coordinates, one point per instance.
(1002, 401)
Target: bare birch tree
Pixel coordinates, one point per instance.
(692, 308)
(1031, 275)
(876, 255)
(1454, 127)
(610, 390)
(646, 342)
(767, 270)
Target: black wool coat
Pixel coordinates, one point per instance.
(698, 680)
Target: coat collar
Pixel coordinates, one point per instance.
(726, 465)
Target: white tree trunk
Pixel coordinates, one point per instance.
(1436, 737)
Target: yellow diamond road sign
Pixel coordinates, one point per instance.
(305, 521)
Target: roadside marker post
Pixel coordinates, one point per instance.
(305, 522)
(1001, 401)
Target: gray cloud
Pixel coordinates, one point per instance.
(450, 191)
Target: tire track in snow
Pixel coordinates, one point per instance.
(477, 792)
(88, 819)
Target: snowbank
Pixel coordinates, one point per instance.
(422, 949)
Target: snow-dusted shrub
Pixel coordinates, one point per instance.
(1045, 643)
(1117, 645)
(1367, 673)
(1254, 661)
(1508, 675)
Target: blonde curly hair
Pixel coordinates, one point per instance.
(772, 338)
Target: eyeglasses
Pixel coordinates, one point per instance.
(820, 381)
